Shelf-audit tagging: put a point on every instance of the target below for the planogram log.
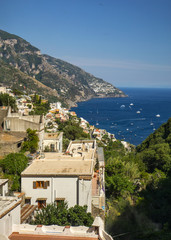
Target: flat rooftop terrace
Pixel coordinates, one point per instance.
(11, 137)
(26, 232)
(78, 160)
(50, 136)
(58, 164)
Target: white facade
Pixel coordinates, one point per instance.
(3, 187)
(71, 189)
(53, 141)
(56, 105)
(3, 90)
(9, 214)
(15, 122)
(60, 176)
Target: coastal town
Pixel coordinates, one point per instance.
(85, 120)
(57, 172)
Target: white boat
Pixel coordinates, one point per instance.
(122, 106)
(131, 104)
(158, 115)
(138, 112)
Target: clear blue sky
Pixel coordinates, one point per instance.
(125, 42)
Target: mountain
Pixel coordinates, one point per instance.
(15, 79)
(64, 80)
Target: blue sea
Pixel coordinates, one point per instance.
(132, 118)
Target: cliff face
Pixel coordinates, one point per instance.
(67, 81)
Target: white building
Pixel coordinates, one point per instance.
(59, 177)
(52, 142)
(3, 89)
(15, 122)
(56, 105)
(9, 214)
(3, 187)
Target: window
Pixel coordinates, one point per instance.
(28, 200)
(52, 147)
(19, 145)
(59, 201)
(41, 202)
(41, 184)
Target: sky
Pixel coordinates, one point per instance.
(125, 42)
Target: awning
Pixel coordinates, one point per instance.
(59, 199)
(85, 177)
(41, 199)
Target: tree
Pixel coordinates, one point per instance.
(72, 130)
(120, 177)
(78, 216)
(52, 214)
(14, 163)
(59, 214)
(31, 144)
(7, 100)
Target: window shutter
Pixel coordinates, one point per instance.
(34, 185)
(45, 185)
(48, 184)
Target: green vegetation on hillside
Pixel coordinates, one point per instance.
(40, 107)
(31, 144)
(138, 188)
(12, 165)
(71, 131)
(15, 79)
(59, 78)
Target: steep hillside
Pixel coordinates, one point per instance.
(15, 79)
(161, 135)
(155, 151)
(70, 82)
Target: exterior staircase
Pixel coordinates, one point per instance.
(27, 212)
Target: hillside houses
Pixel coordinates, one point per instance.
(102, 133)
(52, 175)
(4, 89)
(24, 105)
(16, 122)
